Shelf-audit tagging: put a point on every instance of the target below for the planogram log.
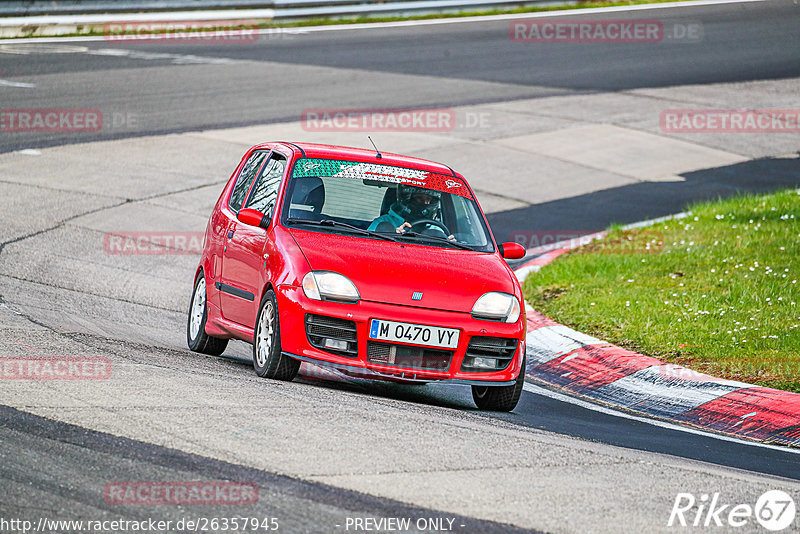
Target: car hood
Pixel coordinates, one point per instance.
(383, 271)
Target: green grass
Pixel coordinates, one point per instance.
(91, 30)
(716, 292)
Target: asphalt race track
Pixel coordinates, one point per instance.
(278, 76)
(324, 450)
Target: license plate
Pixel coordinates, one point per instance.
(415, 334)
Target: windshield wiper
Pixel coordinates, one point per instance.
(437, 238)
(330, 222)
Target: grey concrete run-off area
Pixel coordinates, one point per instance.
(544, 164)
(555, 139)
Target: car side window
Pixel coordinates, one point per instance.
(265, 192)
(244, 179)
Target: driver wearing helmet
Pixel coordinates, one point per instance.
(413, 204)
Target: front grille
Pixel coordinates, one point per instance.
(322, 331)
(499, 349)
(408, 357)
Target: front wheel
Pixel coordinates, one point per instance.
(500, 398)
(196, 335)
(268, 359)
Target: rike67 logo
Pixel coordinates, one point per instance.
(774, 510)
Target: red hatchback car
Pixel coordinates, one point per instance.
(380, 265)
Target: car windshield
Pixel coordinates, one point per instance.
(408, 204)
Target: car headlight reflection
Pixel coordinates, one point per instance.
(496, 306)
(326, 285)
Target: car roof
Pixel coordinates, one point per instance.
(313, 150)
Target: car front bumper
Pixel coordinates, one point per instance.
(437, 364)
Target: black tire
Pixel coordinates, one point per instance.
(500, 398)
(198, 312)
(269, 361)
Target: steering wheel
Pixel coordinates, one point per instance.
(433, 222)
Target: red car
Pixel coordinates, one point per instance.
(380, 265)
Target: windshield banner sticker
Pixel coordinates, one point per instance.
(327, 168)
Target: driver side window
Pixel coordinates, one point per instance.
(244, 180)
(265, 192)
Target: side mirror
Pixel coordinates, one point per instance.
(253, 217)
(512, 251)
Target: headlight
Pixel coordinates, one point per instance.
(325, 285)
(497, 306)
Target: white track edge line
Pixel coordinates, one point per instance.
(426, 22)
(516, 16)
(561, 397)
